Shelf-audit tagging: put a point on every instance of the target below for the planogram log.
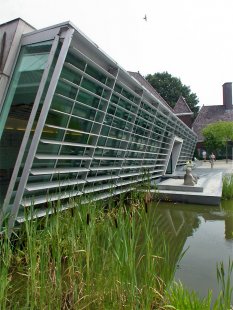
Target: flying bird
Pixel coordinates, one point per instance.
(145, 17)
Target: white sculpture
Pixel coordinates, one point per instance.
(189, 179)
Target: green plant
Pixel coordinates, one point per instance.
(227, 188)
(224, 279)
(5, 271)
(85, 255)
(104, 254)
(182, 299)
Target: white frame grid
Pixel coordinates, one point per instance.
(125, 134)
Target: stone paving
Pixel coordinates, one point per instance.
(219, 166)
(204, 168)
(210, 178)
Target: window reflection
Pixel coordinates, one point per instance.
(18, 106)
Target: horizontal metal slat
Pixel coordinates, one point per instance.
(46, 185)
(101, 178)
(98, 188)
(53, 197)
(47, 141)
(57, 170)
(100, 168)
(62, 157)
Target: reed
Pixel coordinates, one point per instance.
(224, 278)
(227, 188)
(86, 256)
(181, 298)
(101, 255)
(5, 272)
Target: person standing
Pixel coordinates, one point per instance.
(204, 155)
(212, 159)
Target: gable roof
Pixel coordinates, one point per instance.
(149, 87)
(208, 115)
(181, 107)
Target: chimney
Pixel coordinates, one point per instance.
(227, 95)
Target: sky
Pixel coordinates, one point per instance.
(190, 39)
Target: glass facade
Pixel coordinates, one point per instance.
(18, 106)
(103, 131)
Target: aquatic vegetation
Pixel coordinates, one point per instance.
(225, 280)
(181, 298)
(227, 188)
(108, 257)
(101, 255)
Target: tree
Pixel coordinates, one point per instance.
(171, 88)
(218, 135)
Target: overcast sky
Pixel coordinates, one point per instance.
(190, 39)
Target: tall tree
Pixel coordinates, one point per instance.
(171, 88)
(218, 135)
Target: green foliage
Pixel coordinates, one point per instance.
(227, 187)
(171, 88)
(217, 135)
(95, 258)
(224, 279)
(182, 299)
(5, 264)
(87, 257)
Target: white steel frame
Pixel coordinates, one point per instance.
(142, 144)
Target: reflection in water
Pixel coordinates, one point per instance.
(205, 233)
(227, 206)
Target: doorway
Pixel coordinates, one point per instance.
(173, 155)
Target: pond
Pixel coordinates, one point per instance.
(204, 234)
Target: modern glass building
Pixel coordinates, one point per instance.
(73, 122)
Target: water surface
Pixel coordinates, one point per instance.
(205, 233)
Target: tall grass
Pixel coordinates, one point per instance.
(5, 273)
(225, 281)
(102, 255)
(85, 258)
(227, 188)
(181, 298)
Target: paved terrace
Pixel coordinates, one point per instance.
(219, 166)
(208, 190)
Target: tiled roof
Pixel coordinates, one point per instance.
(182, 107)
(208, 115)
(148, 86)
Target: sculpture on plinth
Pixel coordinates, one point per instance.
(189, 179)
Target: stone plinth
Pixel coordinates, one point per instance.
(178, 185)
